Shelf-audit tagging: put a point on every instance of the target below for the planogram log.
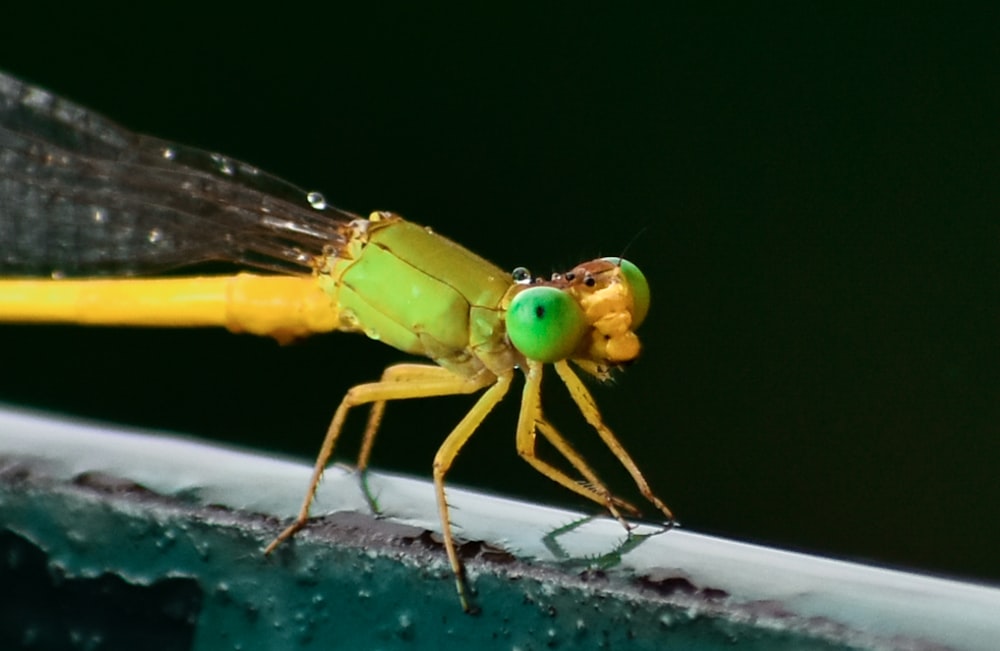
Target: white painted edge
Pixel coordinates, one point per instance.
(878, 601)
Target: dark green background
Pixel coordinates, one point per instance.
(813, 196)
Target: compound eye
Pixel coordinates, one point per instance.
(639, 287)
(545, 324)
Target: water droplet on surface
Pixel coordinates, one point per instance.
(100, 215)
(406, 628)
(316, 200)
(168, 153)
(167, 540)
(204, 550)
(155, 236)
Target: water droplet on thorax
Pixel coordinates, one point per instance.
(521, 276)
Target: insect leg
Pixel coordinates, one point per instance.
(585, 402)
(375, 392)
(442, 462)
(529, 419)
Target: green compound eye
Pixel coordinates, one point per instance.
(545, 324)
(639, 286)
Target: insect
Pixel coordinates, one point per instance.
(89, 210)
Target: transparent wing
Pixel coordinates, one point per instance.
(80, 195)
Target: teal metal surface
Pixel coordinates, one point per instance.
(112, 539)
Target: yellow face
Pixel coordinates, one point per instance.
(601, 290)
(587, 315)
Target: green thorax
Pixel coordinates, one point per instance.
(412, 289)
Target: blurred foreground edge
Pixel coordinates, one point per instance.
(118, 539)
